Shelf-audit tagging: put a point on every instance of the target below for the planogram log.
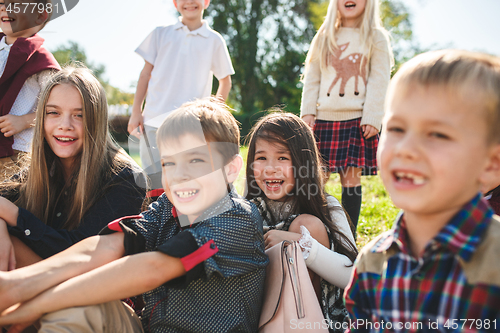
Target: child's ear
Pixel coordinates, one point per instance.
(207, 2)
(233, 168)
(42, 18)
(491, 175)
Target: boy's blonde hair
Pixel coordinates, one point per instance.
(470, 76)
(217, 125)
(324, 42)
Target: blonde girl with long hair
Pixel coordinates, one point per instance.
(346, 75)
(77, 179)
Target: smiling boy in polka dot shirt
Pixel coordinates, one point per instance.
(204, 265)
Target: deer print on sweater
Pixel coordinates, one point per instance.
(346, 68)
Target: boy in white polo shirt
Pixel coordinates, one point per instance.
(180, 61)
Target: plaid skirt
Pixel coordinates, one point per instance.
(341, 145)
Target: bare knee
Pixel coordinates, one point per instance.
(350, 177)
(314, 225)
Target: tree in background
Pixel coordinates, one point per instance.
(396, 20)
(268, 42)
(74, 53)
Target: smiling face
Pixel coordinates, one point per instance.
(20, 21)
(191, 10)
(192, 175)
(433, 153)
(63, 123)
(351, 12)
(273, 169)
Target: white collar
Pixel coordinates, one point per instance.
(202, 31)
(4, 45)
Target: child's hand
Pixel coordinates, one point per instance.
(369, 131)
(135, 124)
(273, 237)
(21, 317)
(10, 124)
(309, 119)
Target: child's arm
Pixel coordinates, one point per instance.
(125, 277)
(310, 92)
(311, 234)
(25, 283)
(7, 254)
(10, 124)
(122, 197)
(378, 81)
(8, 211)
(332, 266)
(136, 119)
(224, 88)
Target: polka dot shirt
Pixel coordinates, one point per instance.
(226, 295)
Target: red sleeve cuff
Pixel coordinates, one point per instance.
(200, 255)
(115, 225)
(133, 241)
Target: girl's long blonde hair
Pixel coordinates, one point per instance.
(41, 188)
(325, 43)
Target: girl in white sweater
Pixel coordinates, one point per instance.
(285, 181)
(346, 75)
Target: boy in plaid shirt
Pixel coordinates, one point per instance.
(438, 268)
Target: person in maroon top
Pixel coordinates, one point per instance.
(24, 66)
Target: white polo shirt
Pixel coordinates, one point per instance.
(184, 65)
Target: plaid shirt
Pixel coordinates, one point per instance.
(453, 287)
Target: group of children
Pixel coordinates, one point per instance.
(197, 254)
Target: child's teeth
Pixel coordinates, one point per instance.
(418, 180)
(65, 139)
(186, 194)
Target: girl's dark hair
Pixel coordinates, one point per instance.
(289, 130)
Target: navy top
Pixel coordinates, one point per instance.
(223, 293)
(123, 197)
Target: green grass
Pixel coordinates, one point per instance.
(377, 210)
(137, 159)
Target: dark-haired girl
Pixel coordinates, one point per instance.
(284, 179)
